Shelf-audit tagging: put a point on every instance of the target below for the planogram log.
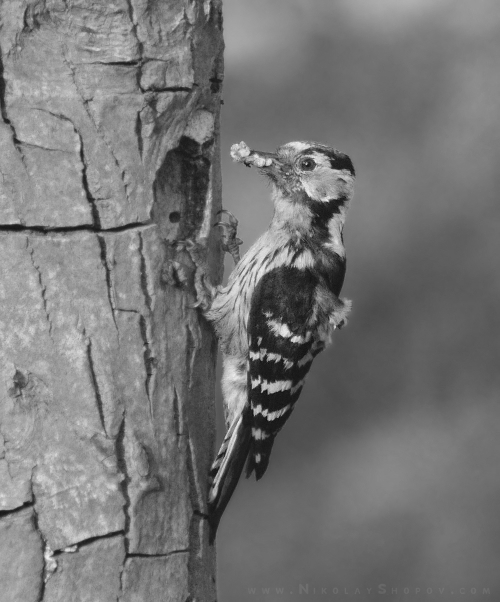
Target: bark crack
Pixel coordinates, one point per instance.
(22, 144)
(85, 103)
(144, 276)
(90, 540)
(85, 184)
(149, 359)
(197, 497)
(43, 287)
(122, 570)
(122, 466)
(170, 88)
(138, 133)
(193, 344)
(96, 218)
(15, 510)
(131, 63)
(167, 555)
(133, 20)
(149, 362)
(48, 568)
(177, 414)
(95, 384)
(3, 114)
(69, 229)
(109, 283)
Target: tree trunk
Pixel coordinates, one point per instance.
(108, 153)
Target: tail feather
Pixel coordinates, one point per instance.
(258, 456)
(227, 468)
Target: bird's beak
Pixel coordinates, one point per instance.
(275, 169)
(268, 163)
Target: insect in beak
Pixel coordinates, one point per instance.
(268, 163)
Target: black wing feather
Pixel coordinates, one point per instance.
(282, 346)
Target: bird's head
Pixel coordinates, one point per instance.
(312, 175)
(306, 168)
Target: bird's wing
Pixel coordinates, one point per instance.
(227, 467)
(282, 345)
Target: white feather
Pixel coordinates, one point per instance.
(270, 415)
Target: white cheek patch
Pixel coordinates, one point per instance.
(325, 184)
(346, 182)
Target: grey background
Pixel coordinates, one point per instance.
(388, 472)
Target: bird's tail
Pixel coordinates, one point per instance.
(258, 456)
(227, 467)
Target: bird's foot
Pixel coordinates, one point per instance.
(204, 289)
(230, 242)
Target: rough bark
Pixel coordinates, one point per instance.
(108, 153)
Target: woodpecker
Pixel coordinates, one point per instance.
(280, 306)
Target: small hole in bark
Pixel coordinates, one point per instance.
(174, 217)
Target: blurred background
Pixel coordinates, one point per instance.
(387, 475)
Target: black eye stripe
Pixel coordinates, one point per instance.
(337, 159)
(342, 162)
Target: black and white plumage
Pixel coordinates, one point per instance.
(280, 306)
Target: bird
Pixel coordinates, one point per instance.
(280, 305)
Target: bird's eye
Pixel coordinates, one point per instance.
(307, 164)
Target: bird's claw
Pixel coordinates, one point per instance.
(231, 217)
(204, 290)
(203, 298)
(230, 242)
(184, 245)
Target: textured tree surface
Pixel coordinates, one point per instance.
(108, 153)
